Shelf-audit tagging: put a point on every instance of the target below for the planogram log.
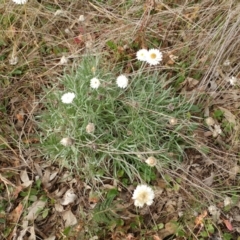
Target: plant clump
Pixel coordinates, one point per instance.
(112, 123)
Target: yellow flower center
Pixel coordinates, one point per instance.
(143, 196)
(153, 55)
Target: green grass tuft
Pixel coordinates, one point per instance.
(130, 124)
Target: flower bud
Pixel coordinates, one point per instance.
(90, 128)
(67, 141)
(151, 161)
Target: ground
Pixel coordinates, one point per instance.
(196, 191)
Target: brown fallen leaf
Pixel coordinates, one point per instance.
(228, 224)
(35, 209)
(16, 191)
(23, 233)
(199, 220)
(69, 197)
(69, 218)
(155, 237)
(16, 213)
(209, 180)
(233, 172)
(189, 84)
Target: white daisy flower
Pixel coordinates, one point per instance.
(143, 195)
(94, 83)
(68, 97)
(142, 55)
(122, 81)
(20, 1)
(67, 141)
(151, 161)
(154, 57)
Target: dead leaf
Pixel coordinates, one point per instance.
(209, 180)
(50, 238)
(130, 236)
(53, 175)
(69, 218)
(170, 206)
(46, 179)
(228, 224)
(59, 207)
(16, 213)
(171, 227)
(27, 184)
(199, 220)
(155, 237)
(213, 86)
(20, 116)
(27, 230)
(24, 176)
(16, 191)
(193, 14)
(189, 84)
(69, 197)
(35, 209)
(233, 172)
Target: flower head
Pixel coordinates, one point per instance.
(151, 161)
(90, 128)
(67, 141)
(68, 97)
(173, 121)
(13, 60)
(94, 83)
(210, 121)
(217, 130)
(142, 54)
(20, 1)
(143, 195)
(154, 57)
(122, 81)
(227, 201)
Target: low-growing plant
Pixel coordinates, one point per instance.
(91, 123)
